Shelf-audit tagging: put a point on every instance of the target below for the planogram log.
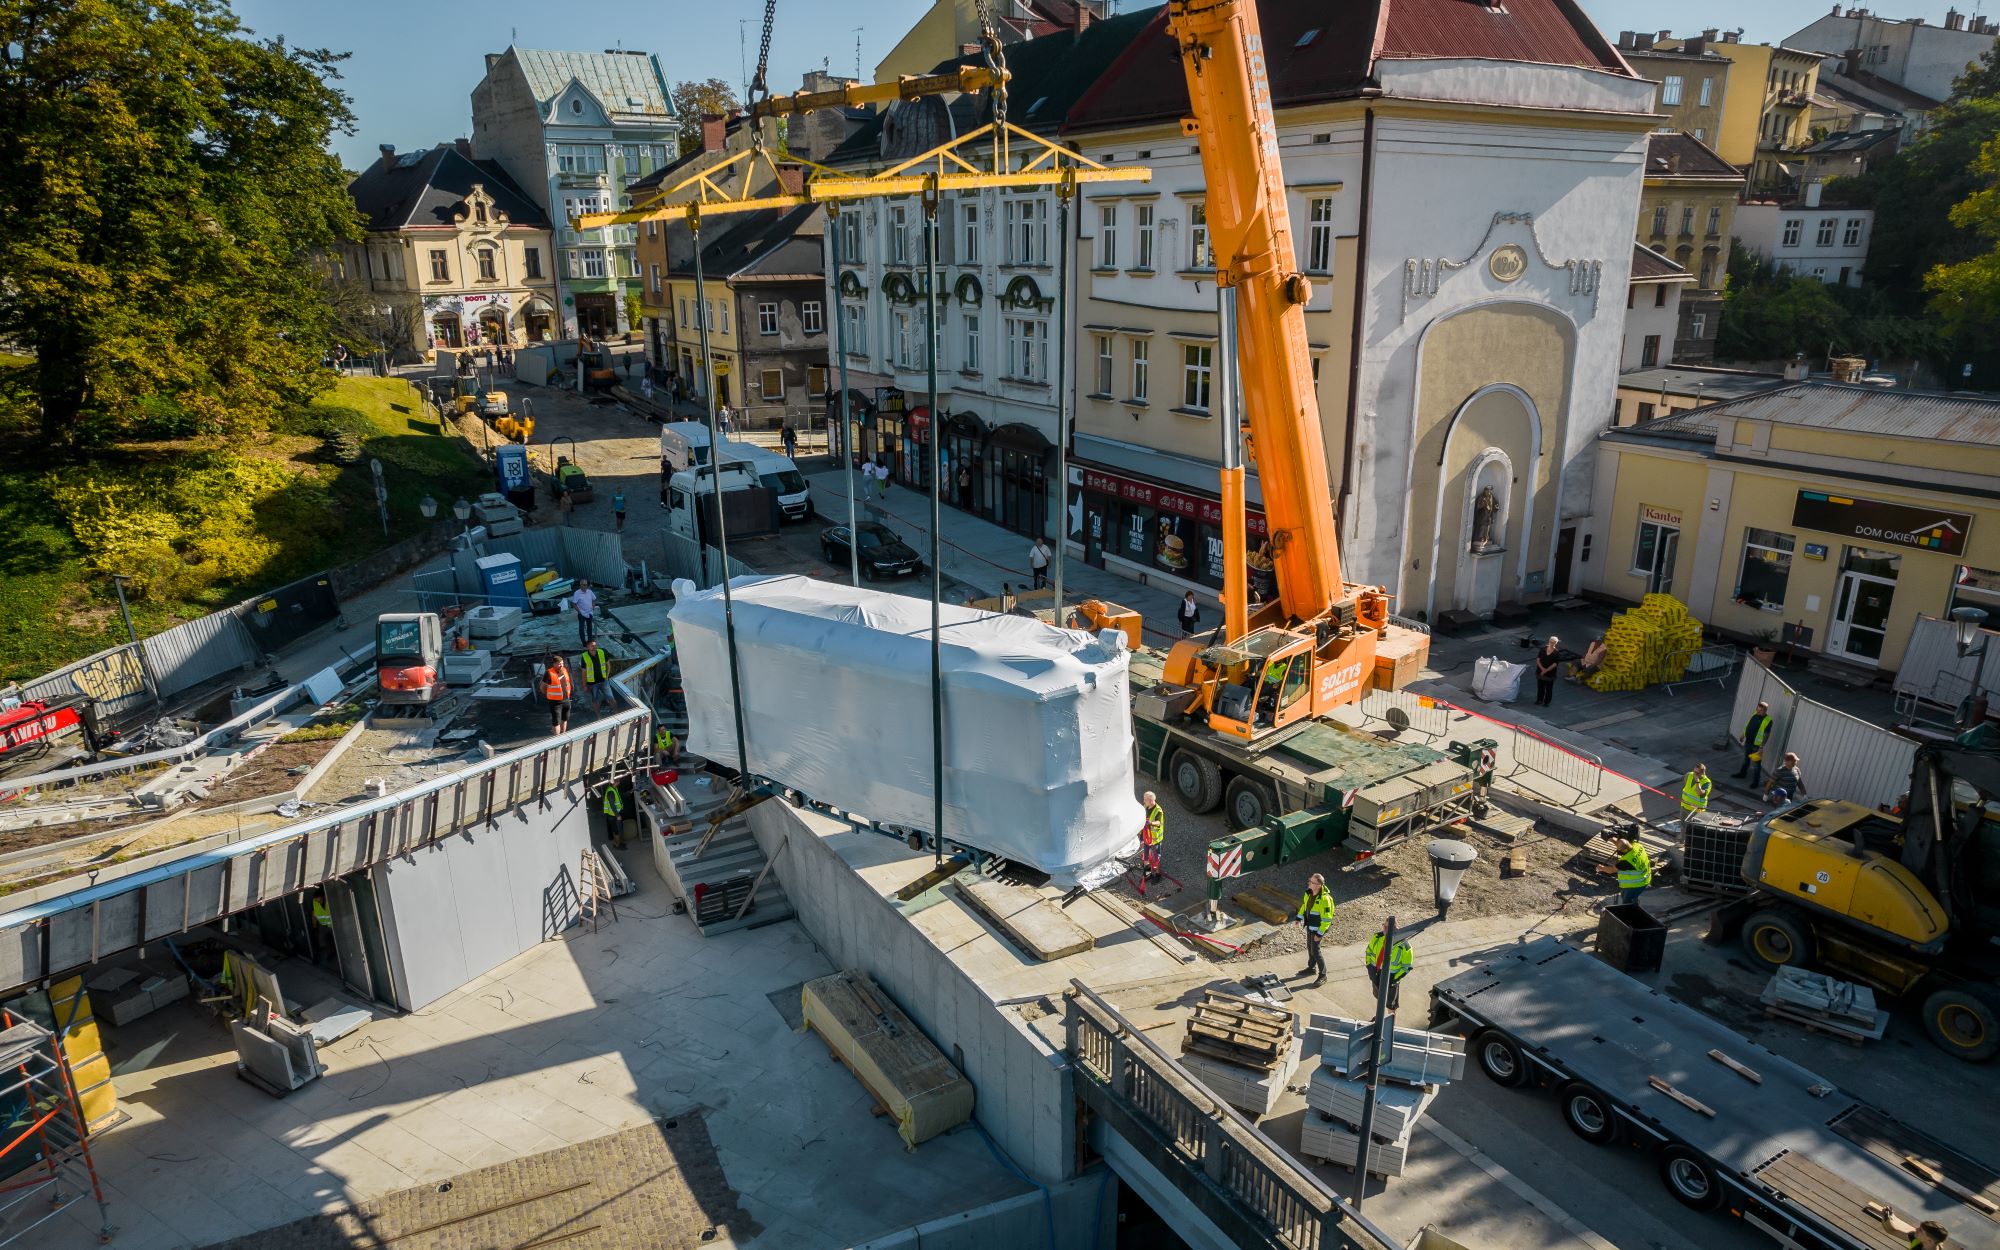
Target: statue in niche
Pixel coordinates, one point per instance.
(1484, 509)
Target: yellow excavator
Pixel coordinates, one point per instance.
(1907, 902)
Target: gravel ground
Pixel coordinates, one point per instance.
(1396, 882)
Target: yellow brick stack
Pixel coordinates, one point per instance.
(1647, 644)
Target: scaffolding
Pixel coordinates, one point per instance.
(45, 1164)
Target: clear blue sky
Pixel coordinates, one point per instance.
(414, 64)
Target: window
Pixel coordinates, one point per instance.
(1707, 94)
(904, 349)
(850, 237)
(816, 379)
(1199, 255)
(1649, 351)
(1646, 412)
(1687, 219)
(1197, 366)
(531, 260)
(1714, 220)
(899, 234)
(1028, 349)
(969, 357)
(968, 218)
(810, 315)
(656, 279)
(1660, 221)
(577, 158)
(767, 318)
(1143, 259)
(1027, 233)
(479, 213)
(772, 383)
(1107, 236)
(1976, 588)
(855, 331)
(440, 266)
(1670, 89)
(1655, 544)
(488, 271)
(1699, 133)
(1660, 295)
(1142, 349)
(1319, 234)
(1853, 236)
(1698, 325)
(1103, 386)
(1824, 236)
(1708, 271)
(1767, 566)
(1793, 227)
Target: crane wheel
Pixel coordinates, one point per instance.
(1197, 780)
(1247, 804)
(1775, 938)
(1964, 1020)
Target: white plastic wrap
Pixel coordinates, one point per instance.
(837, 704)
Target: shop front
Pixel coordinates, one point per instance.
(965, 459)
(1133, 526)
(1019, 463)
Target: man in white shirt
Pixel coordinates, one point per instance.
(584, 600)
(1038, 562)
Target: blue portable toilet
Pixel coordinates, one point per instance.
(500, 581)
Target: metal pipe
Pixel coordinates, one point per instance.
(840, 446)
(1354, 339)
(1235, 526)
(1383, 1045)
(930, 201)
(1064, 191)
(715, 482)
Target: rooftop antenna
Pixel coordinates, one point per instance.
(743, 54)
(857, 51)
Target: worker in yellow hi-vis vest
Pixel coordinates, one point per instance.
(1153, 836)
(1395, 964)
(1695, 790)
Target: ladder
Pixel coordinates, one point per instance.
(596, 889)
(49, 1151)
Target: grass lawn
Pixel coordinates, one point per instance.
(57, 608)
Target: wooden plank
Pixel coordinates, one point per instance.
(1748, 1074)
(1030, 921)
(1891, 1140)
(1832, 1198)
(1261, 907)
(1692, 1104)
(1941, 1181)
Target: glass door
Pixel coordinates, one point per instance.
(1861, 616)
(1662, 580)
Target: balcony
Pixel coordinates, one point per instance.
(1791, 98)
(582, 178)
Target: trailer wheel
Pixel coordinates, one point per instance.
(1587, 1112)
(1248, 804)
(1197, 780)
(1689, 1179)
(1775, 938)
(1499, 1058)
(1962, 1020)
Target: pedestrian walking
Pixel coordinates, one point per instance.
(1755, 731)
(1547, 668)
(1395, 962)
(728, 422)
(596, 667)
(1635, 870)
(614, 815)
(882, 480)
(584, 600)
(965, 488)
(1006, 597)
(564, 506)
(790, 438)
(1316, 913)
(646, 388)
(1788, 784)
(1695, 789)
(631, 359)
(1190, 614)
(555, 685)
(1153, 836)
(618, 511)
(1038, 562)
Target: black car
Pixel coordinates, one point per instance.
(882, 553)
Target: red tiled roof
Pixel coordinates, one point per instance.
(1327, 49)
(1671, 153)
(1651, 266)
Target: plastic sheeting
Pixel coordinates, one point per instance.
(837, 704)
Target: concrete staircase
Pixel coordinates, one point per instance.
(715, 880)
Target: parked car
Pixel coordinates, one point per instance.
(882, 553)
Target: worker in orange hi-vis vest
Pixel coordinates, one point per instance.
(556, 690)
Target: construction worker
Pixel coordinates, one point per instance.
(1695, 791)
(596, 675)
(665, 749)
(1316, 913)
(1635, 870)
(1755, 730)
(1154, 835)
(1396, 962)
(1930, 1235)
(614, 815)
(555, 688)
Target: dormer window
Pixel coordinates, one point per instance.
(576, 106)
(479, 212)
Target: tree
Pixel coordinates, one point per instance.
(367, 321)
(164, 184)
(692, 99)
(1966, 294)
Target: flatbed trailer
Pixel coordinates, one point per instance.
(1737, 1127)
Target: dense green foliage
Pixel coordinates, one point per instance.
(692, 99)
(164, 185)
(1770, 315)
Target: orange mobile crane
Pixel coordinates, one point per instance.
(1312, 648)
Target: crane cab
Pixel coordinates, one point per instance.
(1275, 676)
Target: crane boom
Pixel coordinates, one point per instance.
(1250, 231)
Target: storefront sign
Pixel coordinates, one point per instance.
(1669, 517)
(1899, 525)
(1168, 499)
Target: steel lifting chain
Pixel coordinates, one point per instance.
(996, 60)
(760, 87)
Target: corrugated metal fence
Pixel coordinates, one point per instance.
(1934, 671)
(704, 566)
(179, 659)
(1841, 756)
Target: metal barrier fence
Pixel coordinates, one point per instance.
(1714, 662)
(1565, 766)
(1839, 755)
(683, 558)
(1208, 1136)
(60, 934)
(1403, 711)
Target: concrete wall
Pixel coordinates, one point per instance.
(1085, 1212)
(471, 902)
(1023, 1088)
(1647, 317)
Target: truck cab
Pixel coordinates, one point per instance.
(409, 657)
(684, 445)
(689, 496)
(778, 475)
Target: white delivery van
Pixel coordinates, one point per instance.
(779, 476)
(750, 510)
(683, 445)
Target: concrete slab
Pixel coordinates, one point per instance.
(1030, 921)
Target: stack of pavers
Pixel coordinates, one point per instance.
(1243, 1050)
(1647, 645)
(1419, 1064)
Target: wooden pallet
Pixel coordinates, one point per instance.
(1238, 1030)
(1852, 1034)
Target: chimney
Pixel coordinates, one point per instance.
(1673, 162)
(714, 132)
(1642, 41)
(1953, 19)
(492, 59)
(1812, 193)
(1796, 369)
(1695, 46)
(792, 178)
(1710, 34)
(1663, 36)
(464, 147)
(388, 154)
(1733, 36)
(1625, 39)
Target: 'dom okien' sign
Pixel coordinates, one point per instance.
(1898, 525)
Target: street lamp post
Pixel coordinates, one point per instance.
(1966, 622)
(463, 511)
(118, 581)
